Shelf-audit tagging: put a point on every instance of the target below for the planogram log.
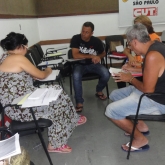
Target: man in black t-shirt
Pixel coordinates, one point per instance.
(90, 49)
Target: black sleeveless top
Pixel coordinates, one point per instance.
(160, 85)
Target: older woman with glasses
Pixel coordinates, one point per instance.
(16, 73)
(125, 100)
(135, 62)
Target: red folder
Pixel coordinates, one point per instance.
(118, 53)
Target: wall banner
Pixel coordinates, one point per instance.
(129, 9)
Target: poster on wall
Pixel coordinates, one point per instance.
(129, 9)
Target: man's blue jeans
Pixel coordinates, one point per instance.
(80, 69)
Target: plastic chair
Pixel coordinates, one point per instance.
(39, 49)
(48, 51)
(25, 128)
(33, 57)
(86, 77)
(149, 117)
(53, 63)
(28, 55)
(114, 38)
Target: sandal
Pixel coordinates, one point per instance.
(134, 149)
(101, 96)
(82, 120)
(79, 108)
(63, 149)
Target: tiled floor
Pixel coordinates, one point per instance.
(98, 142)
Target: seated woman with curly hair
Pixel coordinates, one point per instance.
(17, 73)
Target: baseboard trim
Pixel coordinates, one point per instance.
(64, 41)
(115, 65)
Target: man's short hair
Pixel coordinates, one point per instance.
(138, 31)
(89, 24)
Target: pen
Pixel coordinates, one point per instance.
(46, 63)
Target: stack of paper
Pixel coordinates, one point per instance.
(10, 147)
(38, 93)
(40, 97)
(117, 70)
(51, 95)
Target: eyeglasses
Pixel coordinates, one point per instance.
(129, 44)
(25, 46)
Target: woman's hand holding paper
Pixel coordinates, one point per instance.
(122, 76)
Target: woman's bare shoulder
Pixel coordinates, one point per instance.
(16, 58)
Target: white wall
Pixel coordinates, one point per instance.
(66, 27)
(29, 27)
(63, 27)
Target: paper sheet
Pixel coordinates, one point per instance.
(10, 147)
(37, 94)
(115, 56)
(51, 62)
(51, 95)
(53, 54)
(20, 100)
(120, 48)
(117, 70)
(52, 76)
(114, 70)
(23, 99)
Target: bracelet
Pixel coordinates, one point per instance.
(131, 79)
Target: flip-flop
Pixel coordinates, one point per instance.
(82, 120)
(134, 149)
(61, 149)
(144, 133)
(79, 108)
(100, 96)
